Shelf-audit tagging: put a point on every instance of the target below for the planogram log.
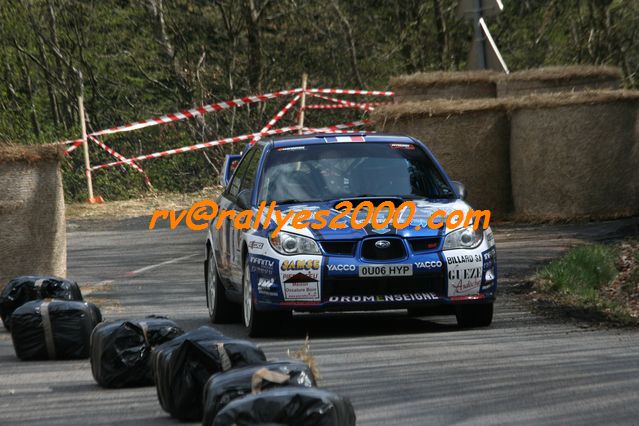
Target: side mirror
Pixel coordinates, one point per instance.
(230, 164)
(460, 188)
(244, 199)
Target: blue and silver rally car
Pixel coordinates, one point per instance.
(316, 270)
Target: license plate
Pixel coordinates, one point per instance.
(385, 270)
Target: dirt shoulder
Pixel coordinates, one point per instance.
(143, 206)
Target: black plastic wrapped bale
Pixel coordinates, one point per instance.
(223, 388)
(53, 329)
(121, 350)
(23, 289)
(291, 405)
(182, 366)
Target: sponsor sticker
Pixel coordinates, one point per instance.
(411, 297)
(262, 265)
(266, 286)
(292, 148)
(299, 265)
(402, 146)
(463, 258)
(489, 269)
(464, 273)
(301, 287)
(256, 245)
(342, 268)
(429, 265)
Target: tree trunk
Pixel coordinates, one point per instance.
(442, 34)
(34, 114)
(169, 50)
(351, 43)
(254, 38)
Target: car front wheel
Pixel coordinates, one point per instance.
(220, 308)
(258, 323)
(469, 316)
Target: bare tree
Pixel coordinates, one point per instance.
(351, 43)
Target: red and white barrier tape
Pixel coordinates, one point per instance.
(76, 143)
(313, 131)
(343, 102)
(198, 146)
(121, 157)
(326, 106)
(339, 106)
(351, 92)
(218, 106)
(278, 116)
(201, 110)
(337, 127)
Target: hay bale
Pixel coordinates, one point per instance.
(470, 138)
(575, 155)
(571, 78)
(31, 212)
(444, 85)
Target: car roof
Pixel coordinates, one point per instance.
(322, 138)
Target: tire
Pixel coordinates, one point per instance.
(470, 316)
(258, 323)
(221, 310)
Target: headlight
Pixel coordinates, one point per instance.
(464, 238)
(289, 244)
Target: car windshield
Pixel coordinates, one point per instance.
(332, 171)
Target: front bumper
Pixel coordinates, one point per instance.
(333, 283)
(379, 303)
(343, 282)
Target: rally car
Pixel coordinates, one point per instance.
(417, 268)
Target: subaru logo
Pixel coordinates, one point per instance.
(382, 244)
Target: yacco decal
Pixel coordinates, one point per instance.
(342, 268)
(411, 297)
(429, 264)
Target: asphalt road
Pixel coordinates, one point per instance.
(397, 370)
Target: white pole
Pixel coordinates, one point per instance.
(85, 146)
(302, 102)
(493, 45)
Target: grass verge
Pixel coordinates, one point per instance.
(595, 282)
